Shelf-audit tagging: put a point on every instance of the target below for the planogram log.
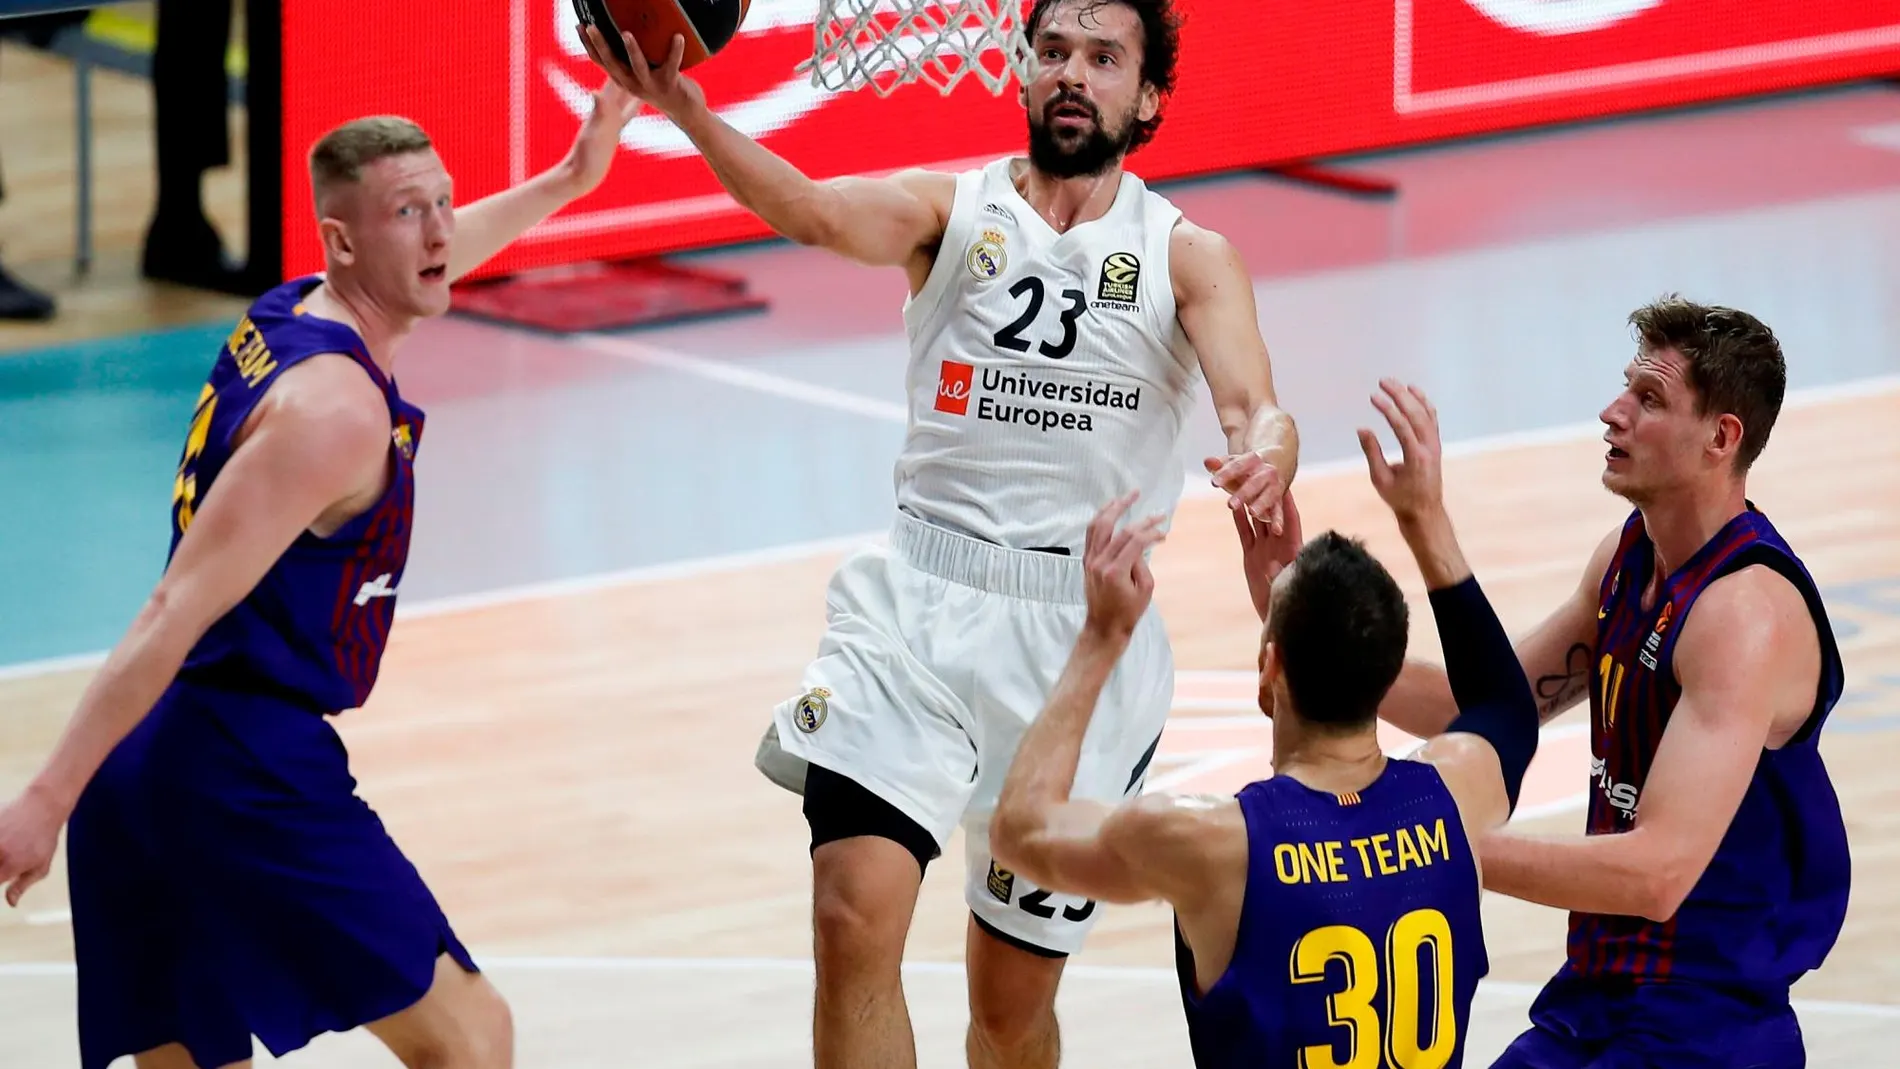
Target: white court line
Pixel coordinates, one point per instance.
(731, 374)
(1139, 974)
(1469, 447)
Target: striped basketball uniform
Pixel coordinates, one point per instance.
(226, 880)
(1360, 939)
(1709, 986)
(1048, 376)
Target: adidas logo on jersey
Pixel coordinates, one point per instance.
(376, 588)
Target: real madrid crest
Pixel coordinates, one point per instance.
(810, 713)
(987, 258)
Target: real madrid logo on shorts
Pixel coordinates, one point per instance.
(986, 258)
(810, 713)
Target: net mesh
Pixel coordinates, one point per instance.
(884, 45)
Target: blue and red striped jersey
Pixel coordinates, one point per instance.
(313, 630)
(1771, 902)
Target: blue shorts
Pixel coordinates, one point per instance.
(226, 882)
(1579, 1023)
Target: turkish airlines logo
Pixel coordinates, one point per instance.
(953, 388)
(1557, 18)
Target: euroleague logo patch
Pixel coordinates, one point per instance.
(1120, 281)
(1001, 883)
(810, 712)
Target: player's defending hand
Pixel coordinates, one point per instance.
(1115, 569)
(29, 833)
(593, 152)
(670, 92)
(1253, 486)
(1264, 554)
(1413, 488)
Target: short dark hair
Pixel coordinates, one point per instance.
(1735, 363)
(1160, 48)
(1340, 624)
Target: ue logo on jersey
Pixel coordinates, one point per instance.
(953, 388)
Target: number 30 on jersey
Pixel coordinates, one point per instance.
(1412, 1036)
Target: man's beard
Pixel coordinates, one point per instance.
(1074, 157)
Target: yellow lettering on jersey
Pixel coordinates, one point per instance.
(185, 483)
(1408, 852)
(1412, 1032)
(1365, 859)
(253, 357)
(1434, 841)
(1384, 853)
(1335, 870)
(1311, 867)
(1286, 863)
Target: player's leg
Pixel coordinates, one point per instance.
(309, 918)
(175, 1056)
(134, 924)
(1541, 1048)
(1020, 933)
(868, 860)
(881, 750)
(462, 1023)
(1012, 1002)
(1572, 1022)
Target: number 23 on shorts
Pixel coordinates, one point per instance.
(1399, 1037)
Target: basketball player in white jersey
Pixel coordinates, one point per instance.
(1060, 315)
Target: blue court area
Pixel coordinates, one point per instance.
(1498, 279)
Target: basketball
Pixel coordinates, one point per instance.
(707, 25)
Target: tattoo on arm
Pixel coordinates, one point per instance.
(1556, 691)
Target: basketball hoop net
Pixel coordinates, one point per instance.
(888, 44)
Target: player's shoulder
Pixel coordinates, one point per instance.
(937, 187)
(1163, 818)
(1200, 259)
(329, 400)
(1753, 611)
(1471, 774)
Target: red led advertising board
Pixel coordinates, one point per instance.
(500, 84)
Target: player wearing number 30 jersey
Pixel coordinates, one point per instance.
(1327, 916)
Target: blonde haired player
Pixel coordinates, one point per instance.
(1060, 315)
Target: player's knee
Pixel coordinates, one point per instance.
(1003, 1024)
(1012, 993)
(482, 1036)
(855, 927)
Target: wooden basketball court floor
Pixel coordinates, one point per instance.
(563, 735)
(571, 769)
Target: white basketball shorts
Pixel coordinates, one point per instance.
(939, 650)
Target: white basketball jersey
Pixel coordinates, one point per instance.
(1048, 374)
